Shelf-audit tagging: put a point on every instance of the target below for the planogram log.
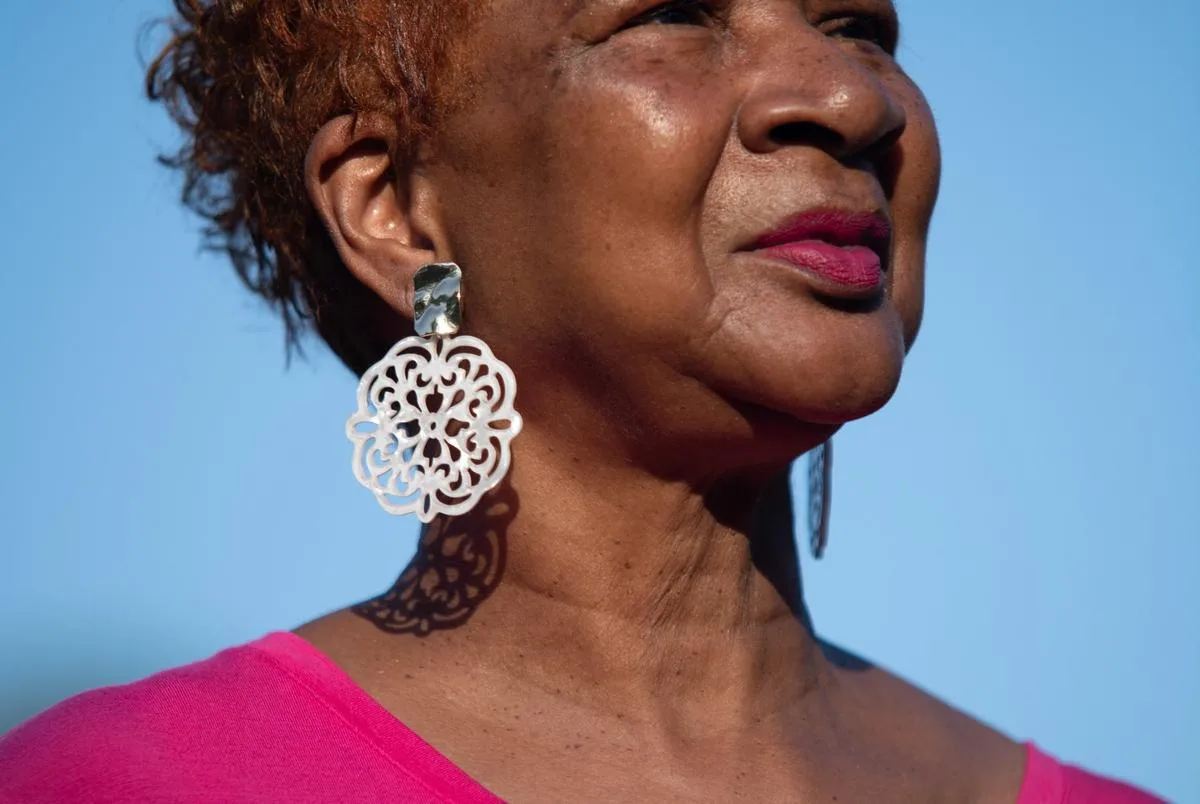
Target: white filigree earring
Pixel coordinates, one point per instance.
(435, 416)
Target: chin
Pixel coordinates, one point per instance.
(840, 402)
(786, 418)
(831, 369)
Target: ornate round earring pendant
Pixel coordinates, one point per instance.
(820, 487)
(435, 417)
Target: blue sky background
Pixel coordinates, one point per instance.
(1019, 531)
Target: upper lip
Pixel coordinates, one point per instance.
(871, 229)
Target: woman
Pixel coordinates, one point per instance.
(693, 233)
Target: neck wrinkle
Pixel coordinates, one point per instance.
(656, 598)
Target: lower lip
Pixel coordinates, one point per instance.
(853, 268)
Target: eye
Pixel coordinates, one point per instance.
(675, 12)
(864, 28)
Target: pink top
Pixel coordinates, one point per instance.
(276, 720)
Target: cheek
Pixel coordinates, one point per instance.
(917, 175)
(601, 184)
(637, 129)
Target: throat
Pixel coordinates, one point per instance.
(683, 610)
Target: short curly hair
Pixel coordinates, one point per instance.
(250, 82)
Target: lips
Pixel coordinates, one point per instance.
(845, 251)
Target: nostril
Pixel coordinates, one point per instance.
(885, 143)
(801, 132)
(885, 159)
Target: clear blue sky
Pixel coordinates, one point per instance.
(1019, 531)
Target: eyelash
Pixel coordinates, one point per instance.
(864, 28)
(698, 12)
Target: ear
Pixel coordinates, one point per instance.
(380, 215)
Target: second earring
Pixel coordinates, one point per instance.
(820, 496)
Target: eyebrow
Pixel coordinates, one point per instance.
(894, 15)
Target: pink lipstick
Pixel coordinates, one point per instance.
(845, 249)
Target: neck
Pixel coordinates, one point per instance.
(645, 597)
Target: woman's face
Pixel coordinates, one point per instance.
(607, 187)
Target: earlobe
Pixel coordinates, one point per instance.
(365, 201)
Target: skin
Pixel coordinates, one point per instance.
(647, 638)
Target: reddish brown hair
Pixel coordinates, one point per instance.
(250, 82)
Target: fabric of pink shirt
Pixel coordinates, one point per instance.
(275, 720)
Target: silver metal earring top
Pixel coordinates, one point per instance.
(437, 301)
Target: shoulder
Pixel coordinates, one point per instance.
(950, 751)
(962, 753)
(1048, 781)
(125, 742)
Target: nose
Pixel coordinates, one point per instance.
(809, 91)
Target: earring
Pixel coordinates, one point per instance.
(820, 488)
(435, 416)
